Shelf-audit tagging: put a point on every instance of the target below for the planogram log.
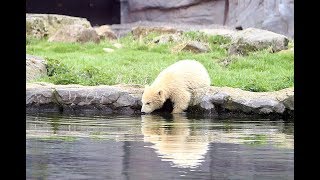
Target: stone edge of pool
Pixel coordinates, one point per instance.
(126, 100)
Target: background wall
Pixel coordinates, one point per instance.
(273, 15)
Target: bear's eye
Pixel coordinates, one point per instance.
(147, 103)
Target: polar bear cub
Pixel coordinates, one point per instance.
(176, 83)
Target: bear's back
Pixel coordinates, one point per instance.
(188, 73)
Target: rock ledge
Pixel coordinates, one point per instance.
(126, 100)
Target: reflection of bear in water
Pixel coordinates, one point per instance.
(174, 140)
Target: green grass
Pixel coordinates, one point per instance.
(140, 61)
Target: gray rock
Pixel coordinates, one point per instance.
(286, 97)
(166, 38)
(45, 25)
(109, 96)
(38, 96)
(142, 31)
(82, 99)
(220, 98)
(126, 99)
(261, 103)
(253, 39)
(75, 33)
(218, 31)
(105, 32)
(254, 105)
(265, 110)
(35, 67)
(192, 46)
(206, 103)
(289, 102)
(234, 99)
(88, 95)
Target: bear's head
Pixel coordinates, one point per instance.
(152, 99)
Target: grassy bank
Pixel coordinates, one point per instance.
(140, 61)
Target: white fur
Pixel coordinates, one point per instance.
(176, 83)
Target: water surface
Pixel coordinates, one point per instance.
(156, 147)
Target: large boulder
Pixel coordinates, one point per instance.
(222, 100)
(75, 33)
(45, 25)
(35, 67)
(81, 99)
(253, 39)
(105, 32)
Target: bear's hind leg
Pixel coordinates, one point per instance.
(181, 102)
